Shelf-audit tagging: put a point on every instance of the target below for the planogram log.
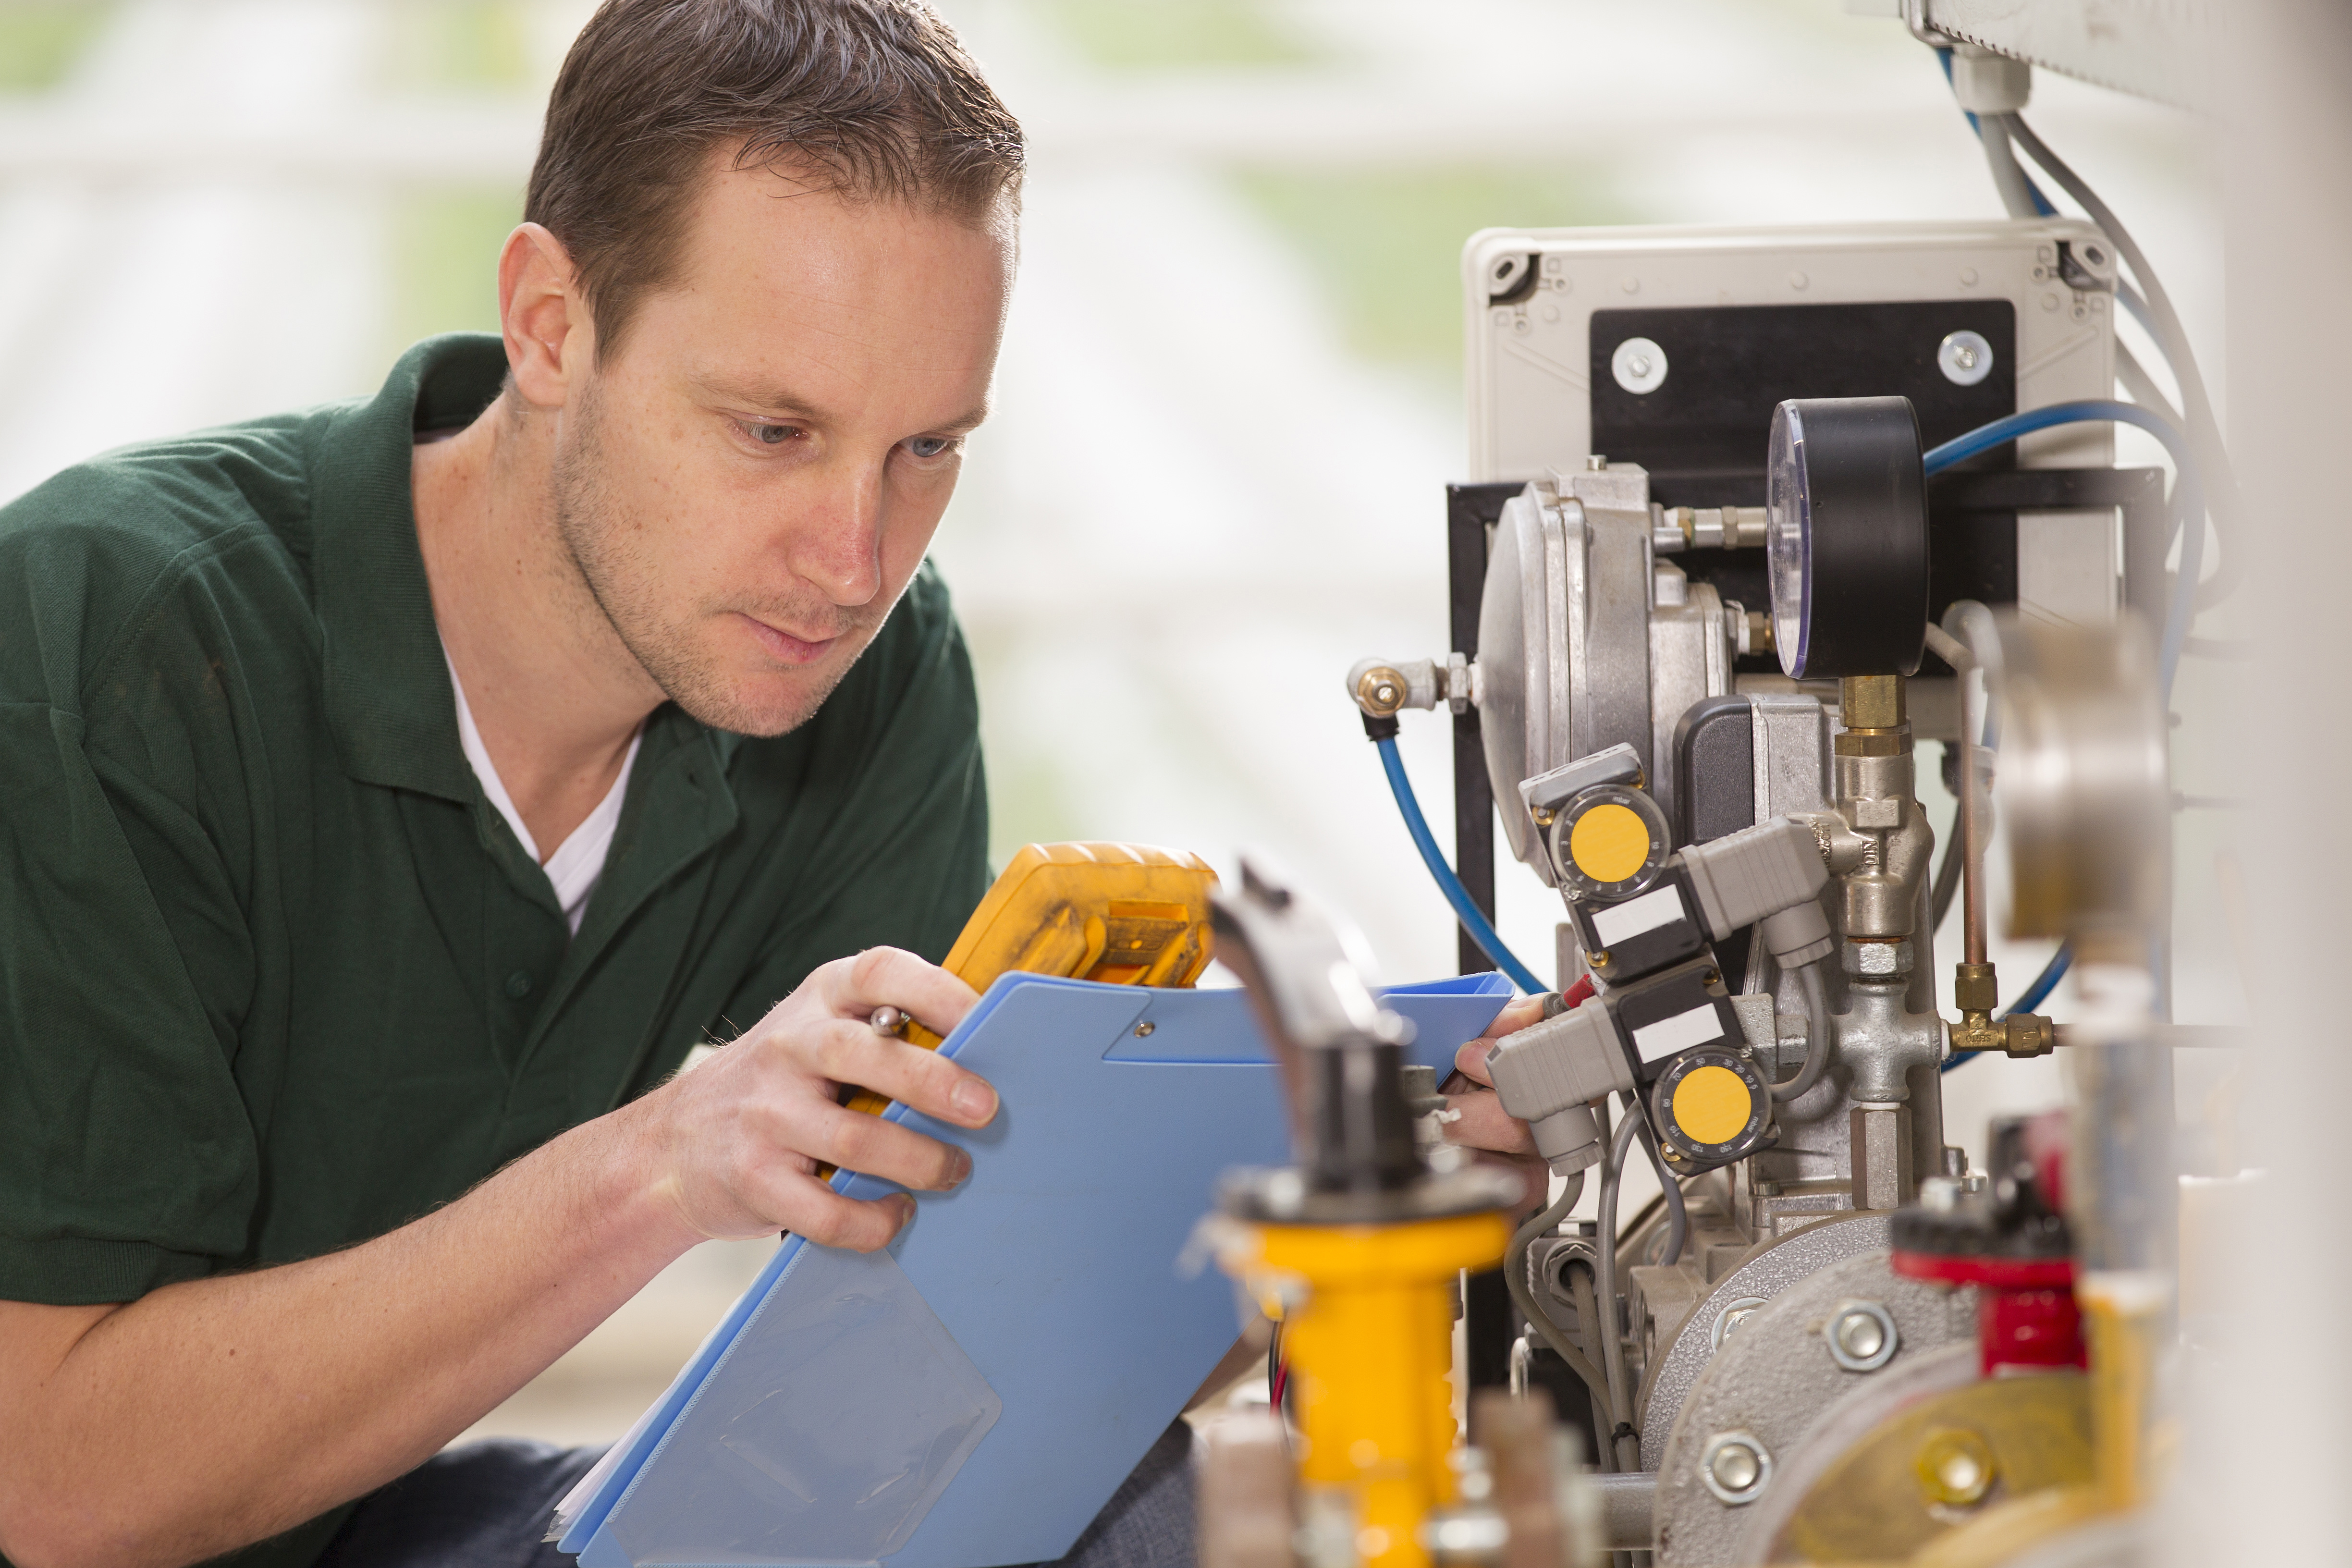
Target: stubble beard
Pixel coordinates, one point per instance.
(621, 575)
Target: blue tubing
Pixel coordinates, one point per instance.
(1481, 931)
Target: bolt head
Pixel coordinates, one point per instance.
(1861, 1335)
(1955, 1467)
(1735, 1466)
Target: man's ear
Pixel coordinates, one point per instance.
(551, 341)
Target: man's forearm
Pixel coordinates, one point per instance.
(216, 1413)
(211, 1414)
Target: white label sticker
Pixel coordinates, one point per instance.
(1679, 1033)
(1634, 916)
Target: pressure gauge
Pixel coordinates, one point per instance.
(1845, 503)
(1712, 1106)
(1610, 842)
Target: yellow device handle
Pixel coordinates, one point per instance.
(1125, 914)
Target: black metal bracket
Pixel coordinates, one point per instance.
(2138, 493)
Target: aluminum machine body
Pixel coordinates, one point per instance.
(1754, 513)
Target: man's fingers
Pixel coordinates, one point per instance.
(892, 978)
(1517, 1016)
(1470, 1061)
(856, 1141)
(814, 1212)
(1483, 1123)
(849, 1052)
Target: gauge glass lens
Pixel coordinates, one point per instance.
(1787, 537)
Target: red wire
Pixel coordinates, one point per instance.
(1281, 1384)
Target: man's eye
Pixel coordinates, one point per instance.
(770, 435)
(929, 445)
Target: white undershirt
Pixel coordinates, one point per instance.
(579, 861)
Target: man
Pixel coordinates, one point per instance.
(394, 792)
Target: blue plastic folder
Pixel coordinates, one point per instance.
(973, 1395)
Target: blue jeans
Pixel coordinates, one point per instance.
(487, 1505)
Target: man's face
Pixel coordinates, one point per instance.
(751, 482)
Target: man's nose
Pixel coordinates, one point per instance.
(836, 543)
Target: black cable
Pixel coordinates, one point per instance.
(1948, 870)
(1274, 1370)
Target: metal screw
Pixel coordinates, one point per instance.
(1639, 365)
(1735, 1466)
(1963, 357)
(1145, 1028)
(1862, 1336)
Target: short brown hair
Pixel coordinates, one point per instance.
(872, 98)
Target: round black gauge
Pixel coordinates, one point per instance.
(1845, 503)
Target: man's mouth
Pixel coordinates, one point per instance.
(786, 648)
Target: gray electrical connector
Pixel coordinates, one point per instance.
(1742, 877)
(1550, 1073)
(1548, 792)
(1772, 872)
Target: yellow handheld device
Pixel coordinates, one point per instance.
(1125, 914)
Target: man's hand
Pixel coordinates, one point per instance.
(1480, 1121)
(735, 1143)
(314, 1381)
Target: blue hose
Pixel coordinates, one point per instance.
(1481, 930)
(2188, 504)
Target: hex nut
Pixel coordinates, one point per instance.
(1734, 1313)
(1876, 960)
(1380, 690)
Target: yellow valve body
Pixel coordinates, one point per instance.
(1371, 1353)
(1125, 914)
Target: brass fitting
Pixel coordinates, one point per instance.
(2018, 1035)
(1974, 988)
(1976, 991)
(1381, 691)
(1873, 718)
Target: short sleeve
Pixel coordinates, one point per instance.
(127, 1159)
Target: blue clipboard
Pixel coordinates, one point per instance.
(971, 1396)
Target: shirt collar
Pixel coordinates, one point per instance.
(388, 699)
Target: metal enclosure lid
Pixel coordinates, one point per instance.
(1526, 371)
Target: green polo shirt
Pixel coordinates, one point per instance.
(275, 976)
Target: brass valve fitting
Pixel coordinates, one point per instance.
(1977, 992)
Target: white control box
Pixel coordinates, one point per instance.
(1847, 310)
